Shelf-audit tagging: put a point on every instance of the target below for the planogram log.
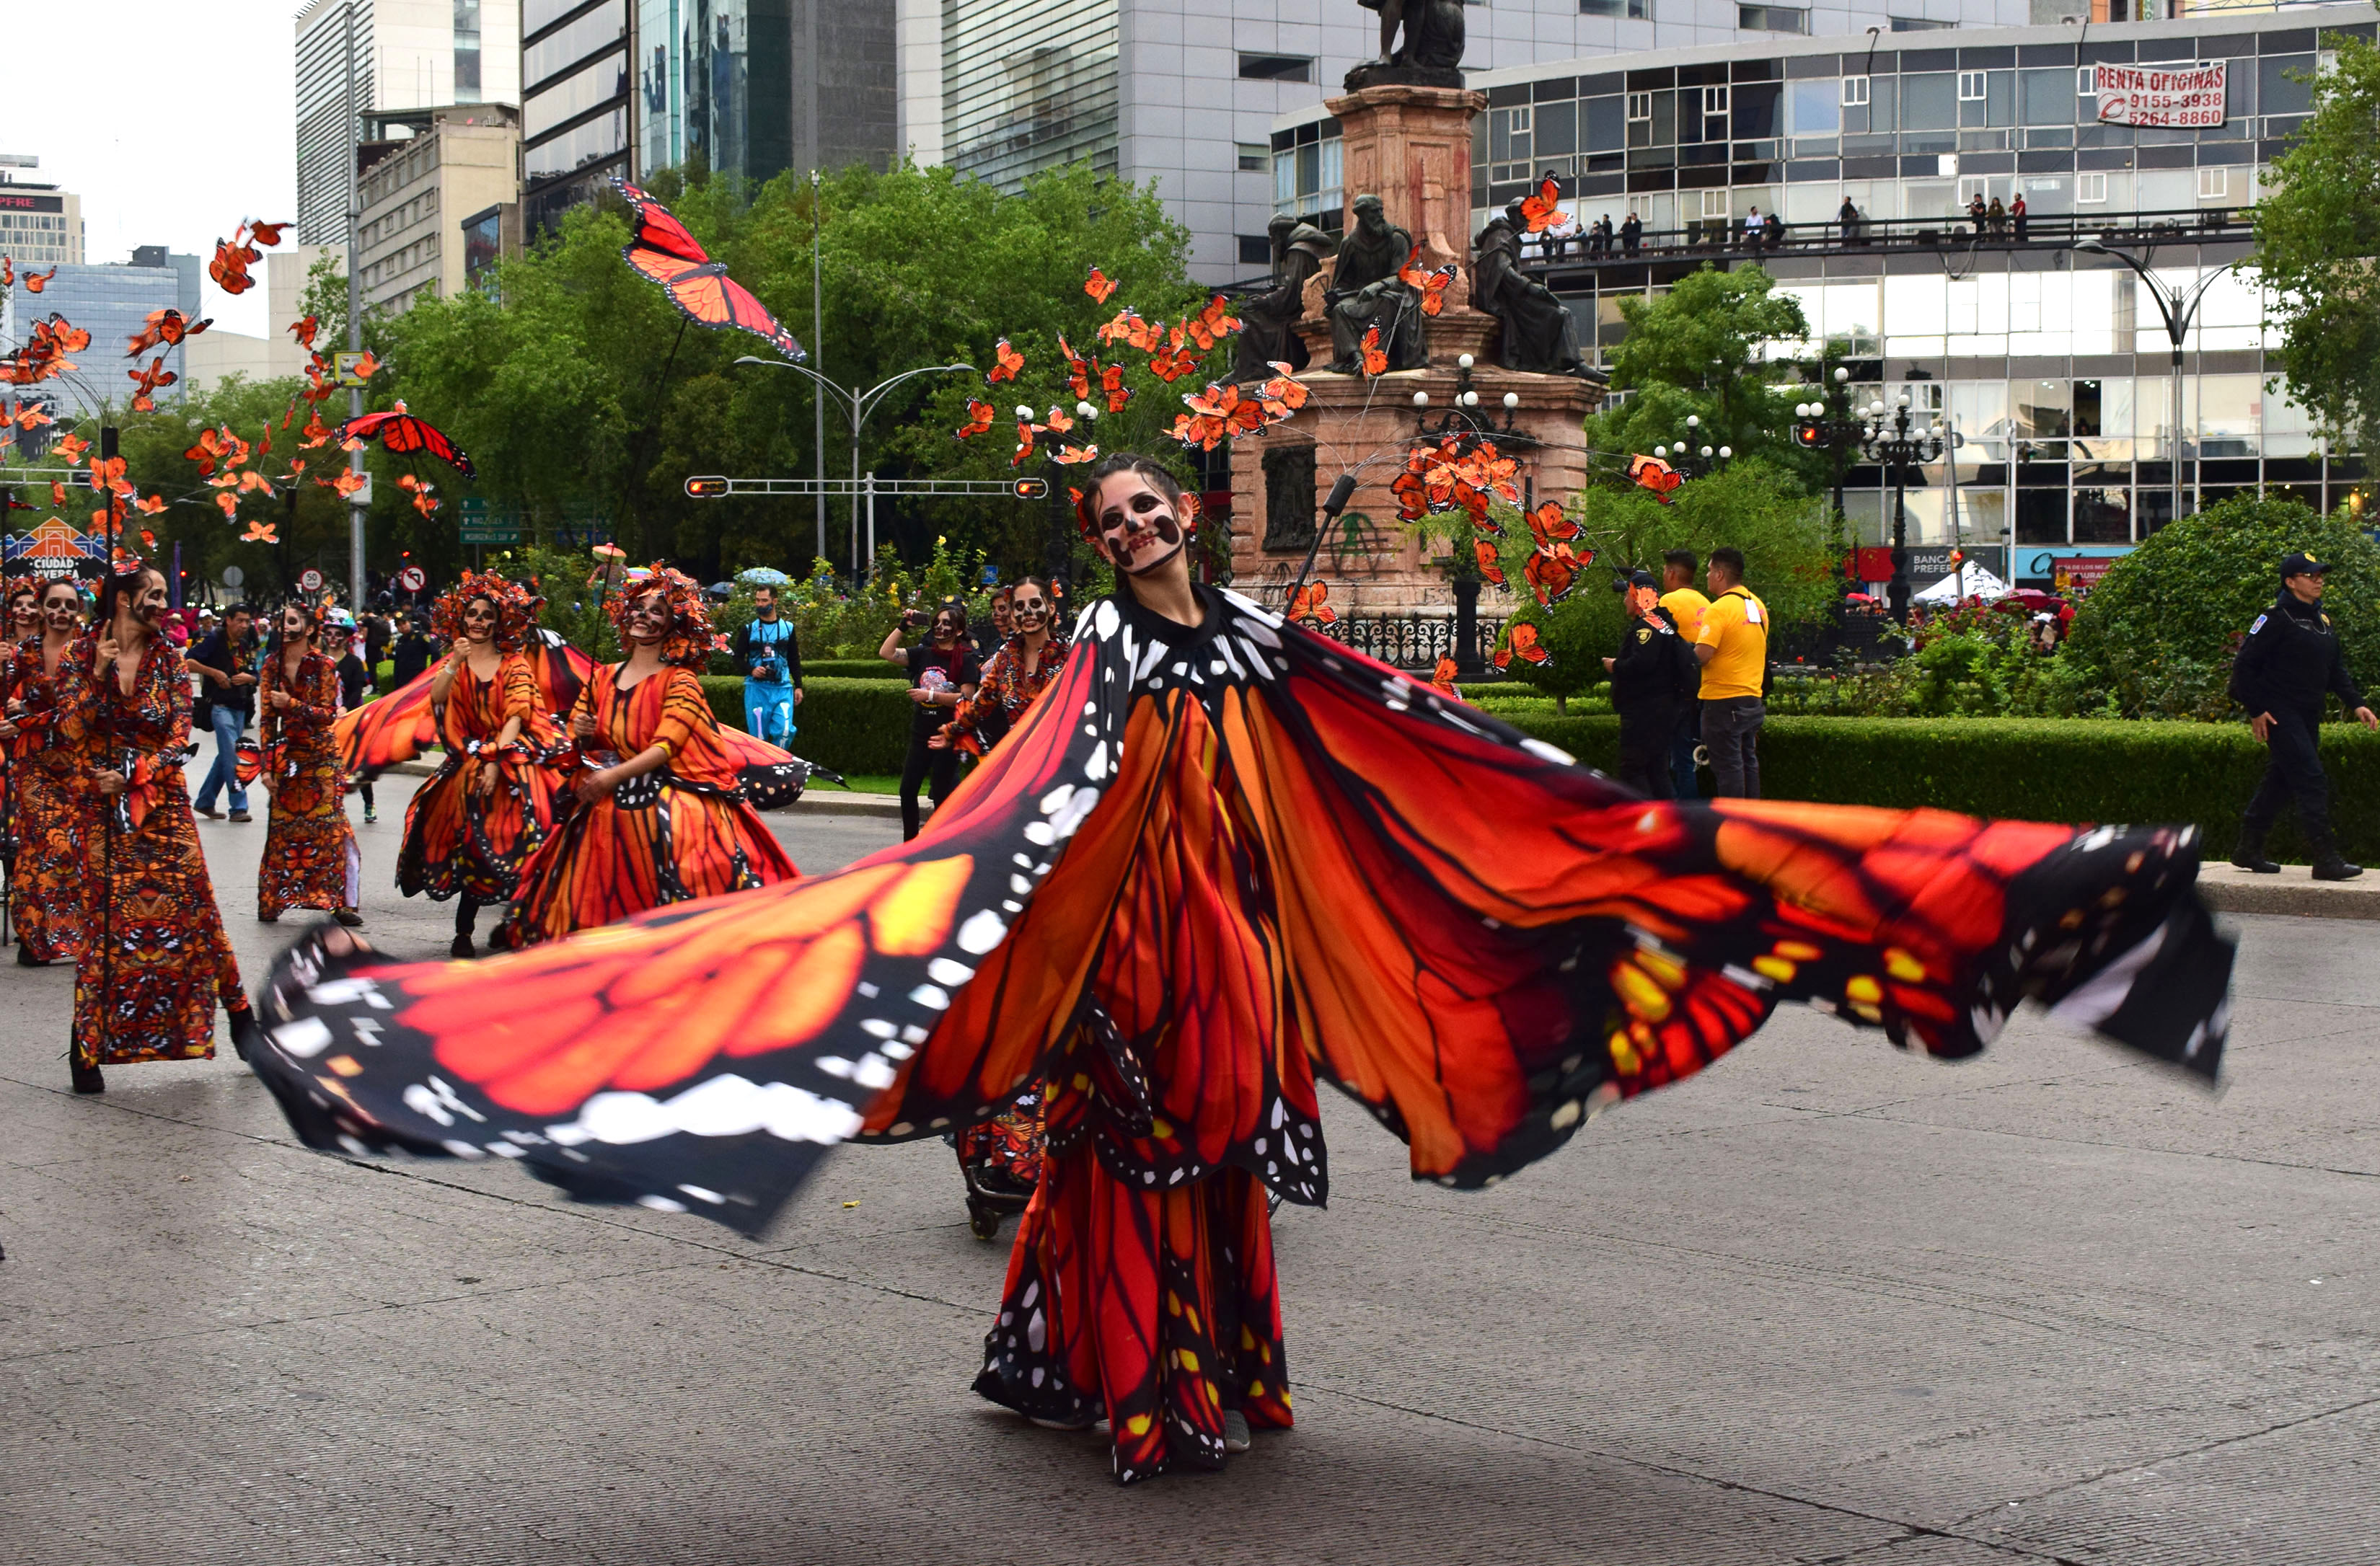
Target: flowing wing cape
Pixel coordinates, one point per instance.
(1310, 861)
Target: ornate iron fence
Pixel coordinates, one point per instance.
(1407, 641)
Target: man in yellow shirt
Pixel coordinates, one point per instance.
(1733, 646)
(1685, 606)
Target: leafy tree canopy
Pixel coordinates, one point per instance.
(1704, 348)
(2318, 231)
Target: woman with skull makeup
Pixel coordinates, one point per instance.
(51, 819)
(491, 802)
(1001, 1160)
(656, 812)
(310, 859)
(1220, 861)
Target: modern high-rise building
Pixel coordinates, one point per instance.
(40, 224)
(425, 171)
(742, 89)
(1184, 92)
(113, 303)
(405, 55)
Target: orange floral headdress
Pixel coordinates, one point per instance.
(515, 606)
(691, 640)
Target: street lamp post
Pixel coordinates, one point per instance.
(859, 405)
(1692, 458)
(2179, 311)
(1886, 436)
(1828, 426)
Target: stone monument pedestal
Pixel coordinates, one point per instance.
(1409, 144)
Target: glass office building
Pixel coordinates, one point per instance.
(113, 303)
(2053, 364)
(576, 103)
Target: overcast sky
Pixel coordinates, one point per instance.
(171, 120)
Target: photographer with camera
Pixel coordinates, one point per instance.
(942, 673)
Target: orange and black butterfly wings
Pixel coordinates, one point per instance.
(381, 734)
(663, 251)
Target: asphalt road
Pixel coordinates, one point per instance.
(1824, 1302)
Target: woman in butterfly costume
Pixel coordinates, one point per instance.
(1001, 1159)
(490, 802)
(657, 813)
(1218, 860)
(51, 814)
(310, 859)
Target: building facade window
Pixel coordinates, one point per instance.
(1972, 86)
(1855, 92)
(1771, 18)
(2090, 190)
(1634, 10)
(1277, 68)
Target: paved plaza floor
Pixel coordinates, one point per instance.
(1824, 1303)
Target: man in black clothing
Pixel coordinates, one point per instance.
(1631, 234)
(1650, 681)
(410, 652)
(2291, 660)
(355, 678)
(225, 664)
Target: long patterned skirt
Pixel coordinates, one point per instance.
(157, 960)
(457, 842)
(53, 876)
(1161, 1304)
(311, 857)
(656, 840)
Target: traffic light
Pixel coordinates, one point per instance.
(706, 488)
(1029, 489)
(1808, 433)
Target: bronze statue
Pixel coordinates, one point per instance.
(1539, 334)
(1269, 321)
(1365, 292)
(1433, 33)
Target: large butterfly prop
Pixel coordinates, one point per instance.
(404, 435)
(1278, 860)
(663, 251)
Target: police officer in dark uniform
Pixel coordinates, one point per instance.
(2291, 660)
(1650, 679)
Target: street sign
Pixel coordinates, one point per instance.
(412, 579)
(482, 525)
(310, 581)
(233, 576)
(348, 362)
(362, 496)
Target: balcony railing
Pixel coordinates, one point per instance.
(1724, 237)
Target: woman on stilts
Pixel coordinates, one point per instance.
(310, 858)
(156, 961)
(1001, 1159)
(491, 802)
(656, 812)
(52, 814)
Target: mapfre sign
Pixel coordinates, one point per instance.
(2180, 96)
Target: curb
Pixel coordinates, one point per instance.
(2231, 889)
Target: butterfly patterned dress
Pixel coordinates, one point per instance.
(311, 857)
(1007, 1149)
(155, 961)
(53, 816)
(457, 840)
(1212, 866)
(677, 833)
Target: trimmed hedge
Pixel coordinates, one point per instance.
(2030, 769)
(850, 669)
(849, 725)
(2037, 769)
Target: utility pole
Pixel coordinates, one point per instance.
(817, 363)
(355, 315)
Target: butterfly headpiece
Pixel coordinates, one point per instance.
(517, 608)
(692, 639)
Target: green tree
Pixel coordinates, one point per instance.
(2317, 233)
(1706, 348)
(1749, 503)
(2161, 628)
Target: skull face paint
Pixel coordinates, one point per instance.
(1139, 529)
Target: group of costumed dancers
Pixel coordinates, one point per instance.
(591, 793)
(1213, 861)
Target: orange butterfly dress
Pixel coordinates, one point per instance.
(677, 833)
(53, 816)
(156, 960)
(1212, 866)
(310, 858)
(458, 841)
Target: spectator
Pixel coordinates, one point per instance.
(987, 641)
(410, 652)
(340, 639)
(225, 663)
(1601, 242)
(1632, 235)
(1686, 608)
(942, 673)
(2016, 216)
(1754, 228)
(1998, 218)
(1733, 646)
(1976, 211)
(768, 655)
(1849, 216)
(1773, 232)
(1562, 236)
(375, 638)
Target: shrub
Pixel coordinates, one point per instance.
(2161, 629)
(849, 725)
(2044, 770)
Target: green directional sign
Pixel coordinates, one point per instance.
(483, 525)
